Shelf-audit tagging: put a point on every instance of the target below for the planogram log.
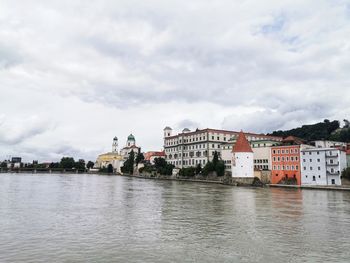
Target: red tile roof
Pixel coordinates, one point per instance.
(242, 144)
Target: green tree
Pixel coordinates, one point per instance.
(67, 163)
(3, 165)
(80, 165)
(139, 158)
(220, 168)
(198, 169)
(54, 165)
(89, 165)
(208, 168)
(128, 166)
(162, 167)
(188, 172)
(346, 173)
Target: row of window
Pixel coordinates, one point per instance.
(197, 138)
(190, 154)
(261, 167)
(261, 161)
(188, 162)
(193, 147)
(285, 151)
(285, 158)
(286, 167)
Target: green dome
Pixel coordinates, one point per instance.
(131, 137)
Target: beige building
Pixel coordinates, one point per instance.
(190, 148)
(113, 158)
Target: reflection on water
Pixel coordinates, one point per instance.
(87, 218)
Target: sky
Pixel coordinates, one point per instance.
(74, 74)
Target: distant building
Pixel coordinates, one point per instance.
(190, 148)
(130, 146)
(150, 156)
(286, 160)
(322, 166)
(16, 162)
(328, 144)
(114, 158)
(242, 158)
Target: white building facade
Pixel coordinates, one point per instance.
(190, 148)
(322, 166)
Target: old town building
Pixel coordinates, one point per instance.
(190, 148)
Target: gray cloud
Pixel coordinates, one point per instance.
(106, 68)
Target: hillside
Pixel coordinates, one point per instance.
(327, 130)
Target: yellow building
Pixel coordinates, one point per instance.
(113, 158)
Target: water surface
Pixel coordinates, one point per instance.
(89, 218)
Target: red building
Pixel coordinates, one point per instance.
(286, 161)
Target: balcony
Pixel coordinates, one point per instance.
(331, 155)
(333, 164)
(333, 173)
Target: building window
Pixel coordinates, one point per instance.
(319, 168)
(313, 178)
(318, 160)
(311, 168)
(304, 168)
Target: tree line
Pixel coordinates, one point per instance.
(326, 130)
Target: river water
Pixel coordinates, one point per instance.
(89, 218)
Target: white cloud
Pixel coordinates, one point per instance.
(73, 74)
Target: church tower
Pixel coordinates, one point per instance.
(115, 145)
(242, 158)
(131, 141)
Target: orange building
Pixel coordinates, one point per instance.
(285, 163)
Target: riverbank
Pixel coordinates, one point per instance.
(311, 187)
(232, 182)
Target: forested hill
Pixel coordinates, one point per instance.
(327, 130)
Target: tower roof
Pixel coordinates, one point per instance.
(115, 138)
(167, 128)
(242, 144)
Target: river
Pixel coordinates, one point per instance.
(90, 218)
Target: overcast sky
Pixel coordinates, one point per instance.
(74, 74)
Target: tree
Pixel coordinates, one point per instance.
(162, 167)
(110, 168)
(80, 165)
(208, 168)
(89, 165)
(128, 166)
(220, 168)
(139, 158)
(3, 165)
(318, 131)
(198, 169)
(346, 173)
(188, 172)
(215, 165)
(54, 165)
(215, 158)
(67, 163)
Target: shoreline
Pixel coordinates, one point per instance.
(169, 178)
